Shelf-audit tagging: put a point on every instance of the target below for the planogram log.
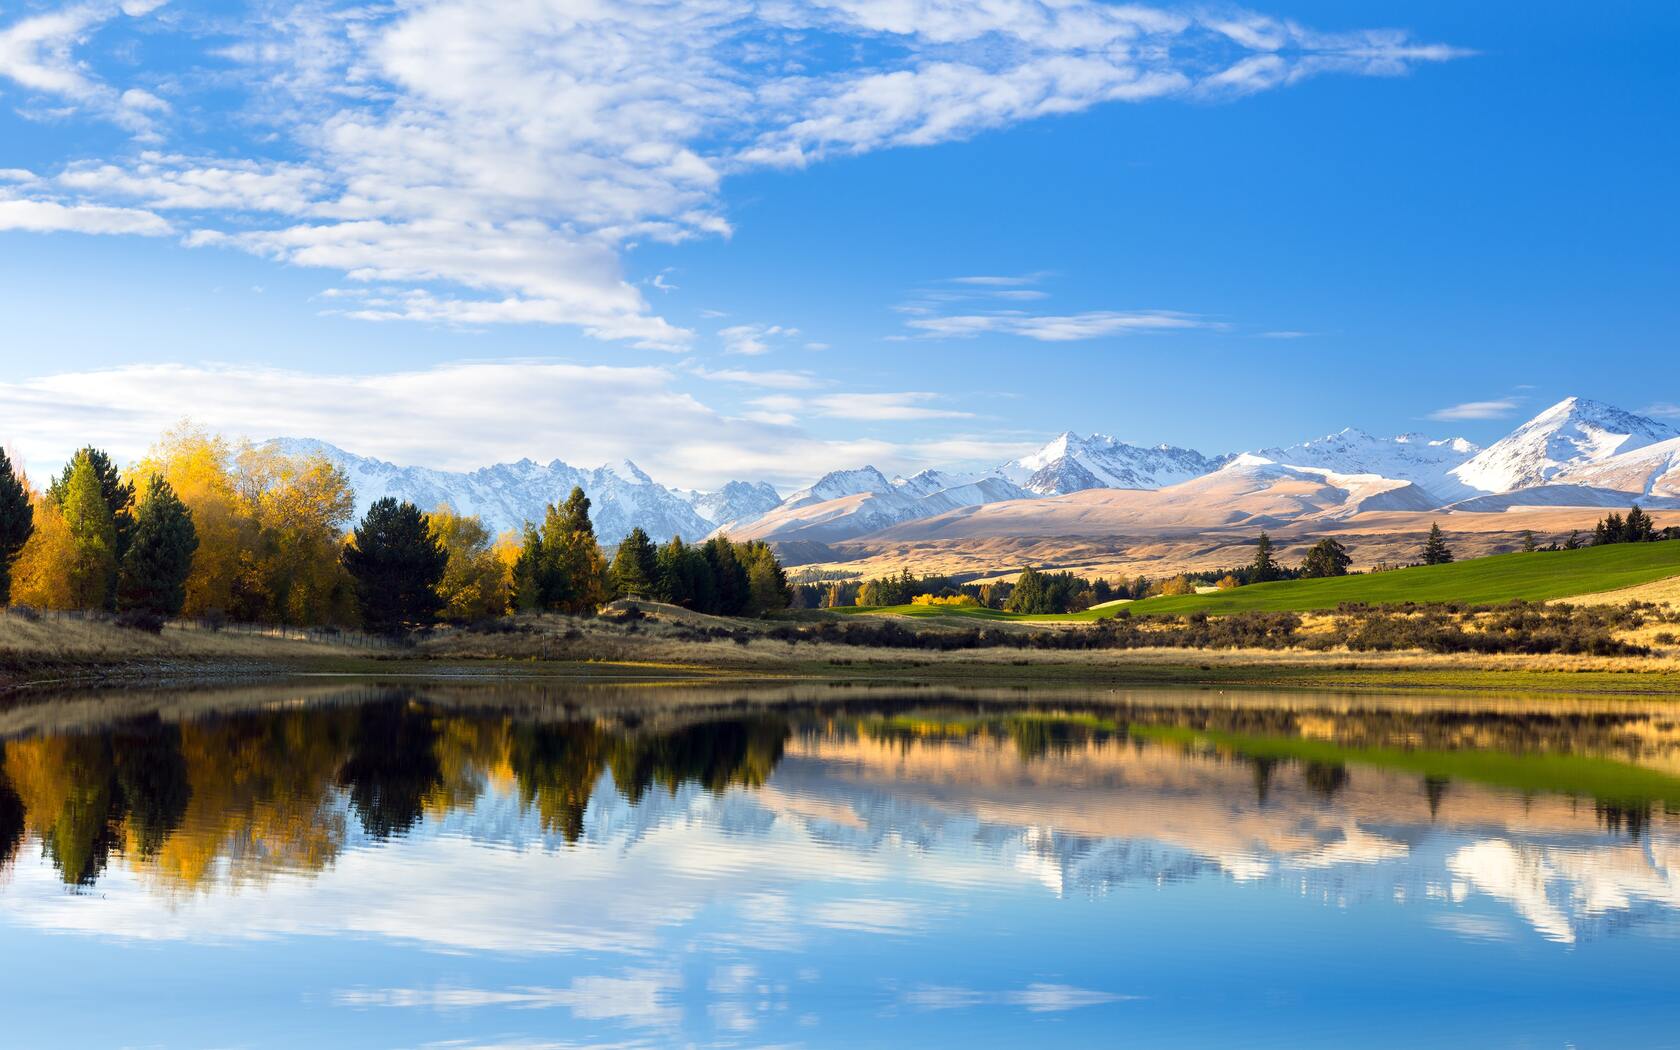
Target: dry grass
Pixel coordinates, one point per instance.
(1661, 592)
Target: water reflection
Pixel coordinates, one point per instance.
(798, 836)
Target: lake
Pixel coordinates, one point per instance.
(327, 863)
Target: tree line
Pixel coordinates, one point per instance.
(204, 528)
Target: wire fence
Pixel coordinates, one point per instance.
(336, 636)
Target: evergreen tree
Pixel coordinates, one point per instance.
(1435, 550)
(1327, 558)
(17, 524)
(729, 578)
(1264, 567)
(573, 574)
(635, 566)
(1529, 546)
(92, 570)
(766, 580)
(396, 564)
(153, 575)
(1029, 595)
(1573, 543)
(1609, 530)
(528, 569)
(117, 493)
(1638, 528)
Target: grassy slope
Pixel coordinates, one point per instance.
(1539, 576)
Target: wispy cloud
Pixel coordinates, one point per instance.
(502, 159)
(1500, 408)
(883, 407)
(1663, 410)
(1051, 328)
(1035, 998)
(753, 340)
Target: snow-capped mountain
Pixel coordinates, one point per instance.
(852, 503)
(508, 495)
(1425, 462)
(736, 501)
(1571, 435)
(1578, 453)
(1071, 463)
(837, 484)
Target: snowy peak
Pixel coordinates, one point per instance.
(735, 501)
(1420, 460)
(1070, 463)
(508, 495)
(1573, 434)
(838, 483)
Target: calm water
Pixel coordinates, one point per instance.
(448, 866)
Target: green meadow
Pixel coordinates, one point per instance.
(1537, 576)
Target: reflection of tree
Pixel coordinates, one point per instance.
(713, 754)
(1263, 770)
(70, 793)
(557, 766)
(1435, 789)
(261, 795)
(153, 778)
(393, 767)
(1632, 817)
(11, 819)
(1326, 779)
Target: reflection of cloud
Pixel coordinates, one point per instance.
(870, 915)
(1035, 998)
(642, 999)
(1356, 847)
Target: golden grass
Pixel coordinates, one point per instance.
(1661, 592)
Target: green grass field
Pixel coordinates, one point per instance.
(1539, 576)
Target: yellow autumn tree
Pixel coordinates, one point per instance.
(270, 528)
(476, 579)
(41, 574)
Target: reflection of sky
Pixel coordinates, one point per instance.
(850, 905)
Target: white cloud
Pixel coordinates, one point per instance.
(1057, 329)
(1663, 410)
(753, 340)
(1035, 998)
(770, 380)
(1498, 409)
(883, 407)
(44, 216)
(463, 416)
(641, 998)
(503, 158)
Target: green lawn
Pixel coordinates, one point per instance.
(1538, 576)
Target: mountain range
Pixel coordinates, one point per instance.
(1577, 453)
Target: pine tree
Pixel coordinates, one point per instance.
(1573, 543)
(396, 564)
(1638, 528)
(528, 593)
(1029, 595)
(1264, 567)
(1327, 558)
(573, 574)
(1435, 549)
(729, 578)
(92, 572)
(153, 577)
(17, 523)
(117, 493)
(766, 580)
(635, 566)
(1529, 546)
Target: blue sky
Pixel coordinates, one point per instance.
(729, 241)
